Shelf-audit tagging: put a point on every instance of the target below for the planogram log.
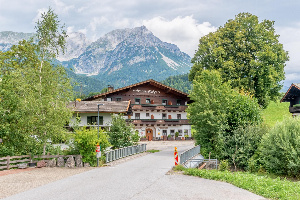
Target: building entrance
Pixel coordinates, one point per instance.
(149, 134)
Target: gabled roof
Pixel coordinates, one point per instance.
(150, 81)
(293, 91)
(104, 107)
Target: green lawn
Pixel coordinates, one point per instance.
(276, 112)
(262, 185)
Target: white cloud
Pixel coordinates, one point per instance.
(185, 32)
(289, 37)
(39, 14)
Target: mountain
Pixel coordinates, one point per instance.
(127, 56)
(9, 38)
(119, 58)
(76, 43)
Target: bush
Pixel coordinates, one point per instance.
(280, 148)
(242, 145)
(224, 166)
(120, 134)
(86, 141)
(135, 137)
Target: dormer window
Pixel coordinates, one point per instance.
(164, 102)
(178, 103)
(137, 101)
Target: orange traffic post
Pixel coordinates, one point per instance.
(176, 156)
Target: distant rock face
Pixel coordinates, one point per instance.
(119, 58)
(76, 43)
(9, 38)
(129, 48)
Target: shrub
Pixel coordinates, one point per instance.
(135, 137)
(86, 141)
(120, 132)
(242, 144)
(224, 166)
(280, 148)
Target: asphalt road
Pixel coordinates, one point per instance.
(142, 178)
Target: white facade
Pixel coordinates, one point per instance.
(84, 119)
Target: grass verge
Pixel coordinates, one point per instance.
(260, 185)
(152, 150)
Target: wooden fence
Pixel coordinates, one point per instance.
(13, 161)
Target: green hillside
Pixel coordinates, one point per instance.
(276, 112)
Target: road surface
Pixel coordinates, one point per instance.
(139, 179)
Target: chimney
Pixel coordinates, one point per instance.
(110, 88)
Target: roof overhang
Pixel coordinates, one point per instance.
(293, 91)
(149, 82)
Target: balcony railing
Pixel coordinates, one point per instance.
(160, 121)
(158, 107)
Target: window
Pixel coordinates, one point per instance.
(148, 101)
(164, 102)
(172, 132)
(137, 101)
(92, 120)
(137, 115)
(186, 132)
(164, 116)
(180, 132)
(164, 132)
(147, 115)
(108, 99)
(178, 116)
(178, 103)
(118, 98)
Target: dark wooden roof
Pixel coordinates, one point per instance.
(293, 91)
(150, 81)
(106, 107)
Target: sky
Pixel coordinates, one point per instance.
(181, 22)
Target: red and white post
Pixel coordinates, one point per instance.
(176, 156)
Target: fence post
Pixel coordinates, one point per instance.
(8, 162)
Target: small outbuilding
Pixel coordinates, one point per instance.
(293, 96)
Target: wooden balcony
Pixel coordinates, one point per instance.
(142, 107)
(159, 121)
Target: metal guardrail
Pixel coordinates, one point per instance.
(199, 161)
(188, 154)
(116, 154)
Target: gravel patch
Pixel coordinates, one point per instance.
(19, 182)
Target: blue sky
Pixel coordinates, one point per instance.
(181, 22)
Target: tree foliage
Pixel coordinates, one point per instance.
(121, 134)
(248, 53)
(218, 110)
(280, 148)
(85, 141)
(34, 93)
(179, 82)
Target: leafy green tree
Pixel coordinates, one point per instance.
(246, 52)
(34, 93)
(217, 111)
(121, 132)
